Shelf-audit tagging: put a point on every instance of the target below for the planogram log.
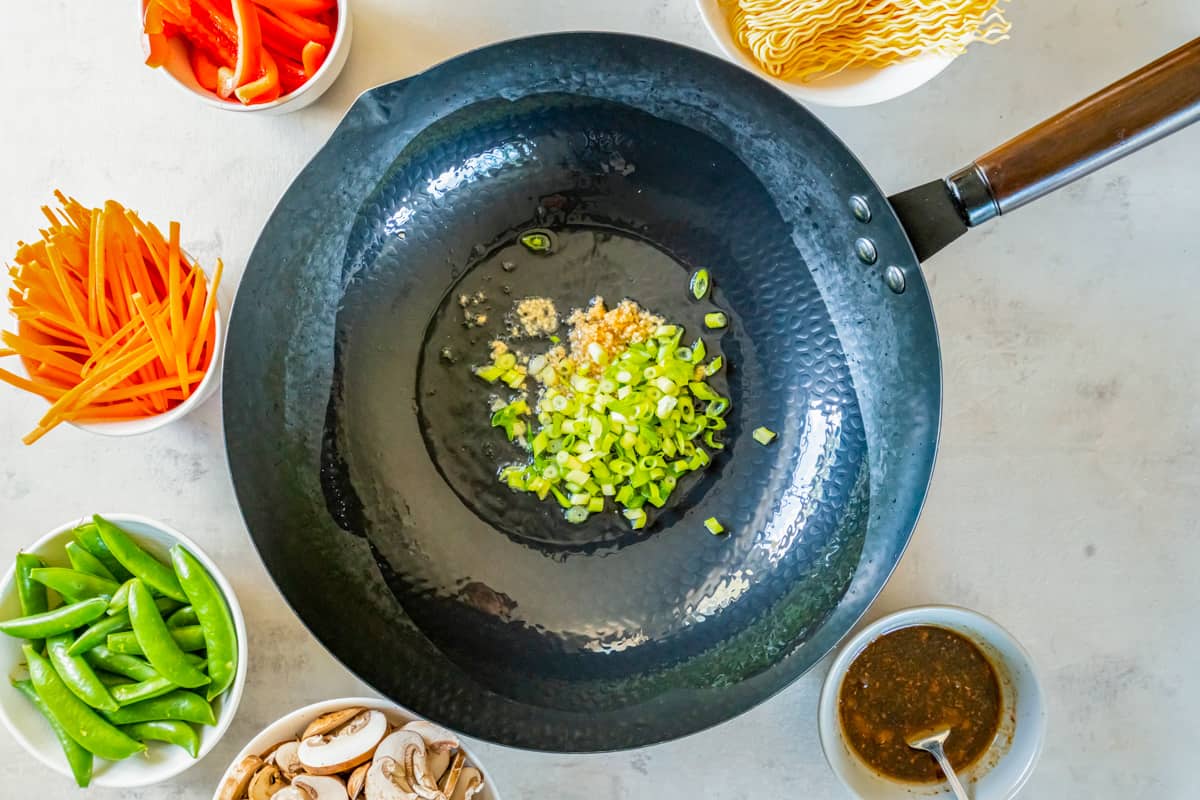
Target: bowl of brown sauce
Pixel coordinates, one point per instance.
(927, 669)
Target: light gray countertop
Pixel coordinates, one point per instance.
(1067, 493)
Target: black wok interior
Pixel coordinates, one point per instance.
(360, 445)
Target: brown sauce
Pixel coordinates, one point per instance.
(914, 681)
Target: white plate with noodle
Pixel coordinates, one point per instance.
(839, 71)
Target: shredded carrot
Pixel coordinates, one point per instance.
(177, 329)
(39, 352)
(31, 385)
(115, 321)
(97, 313)
(206, 319)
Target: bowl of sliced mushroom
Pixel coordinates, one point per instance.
(355, 748)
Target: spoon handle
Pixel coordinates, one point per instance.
(955, 784)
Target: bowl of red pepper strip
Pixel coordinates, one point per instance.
(274, 56)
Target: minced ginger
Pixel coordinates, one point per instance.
(598, 334)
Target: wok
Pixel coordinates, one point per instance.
(359, 443)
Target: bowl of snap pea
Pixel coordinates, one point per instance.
(124, 648)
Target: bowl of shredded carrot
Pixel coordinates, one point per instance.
(273, 56)
(850, 52)
(116, 327)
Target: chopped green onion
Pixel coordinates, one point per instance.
(763, 436)
(491, 373)
(714, 366)
(699, 284)
(628, 427)
(714, 527)
(554, 339)
(715, 319)
(537, 242)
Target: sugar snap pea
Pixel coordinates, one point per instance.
(183, 617)
(31, 594)
(179, 704)
(100, 629)
(78, 758)
(189, 638)
(51, 623)
(78, 675)
(74, 585)
(112, 679)
(216, 621)
(138, 669)
(141, 564)
(142, 690)
(83, 724)
(172, 731)
(120, 600)
(133, 667)
(154, 637)
(84, 561)
(89, 536)
(98, 633)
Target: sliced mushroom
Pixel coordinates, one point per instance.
(416, 766)
(386, 781)
(237, 780)
(439, 744)
(354, 784)
(268, 755)
(331, 721)
(321, 787)
(391, 775)
(287, 757)
(266, 783)
(291, 793)
(344, 748)
(450, 779)
(470, 783)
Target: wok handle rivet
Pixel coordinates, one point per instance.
(893, 276)
(866, 251)
(858, 205)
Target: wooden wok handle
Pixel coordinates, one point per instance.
(1138, 110)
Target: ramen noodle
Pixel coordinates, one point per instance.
(807, 40)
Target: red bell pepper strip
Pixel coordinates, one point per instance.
(269, 82)
(291, 75)
(313, 57)
(152, 20)
(202, 29)
(154, 38)
(249, 50)
(280, 37)
(298, 6)
(203, 68)
(310, 29)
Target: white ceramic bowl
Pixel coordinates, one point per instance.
(1004, 768)
(854, 87)
(179, 70)
(293, 724)
(162, 761)
(206, 389)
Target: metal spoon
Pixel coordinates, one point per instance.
(932, 744)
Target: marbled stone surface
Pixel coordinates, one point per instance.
(1066, 496)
